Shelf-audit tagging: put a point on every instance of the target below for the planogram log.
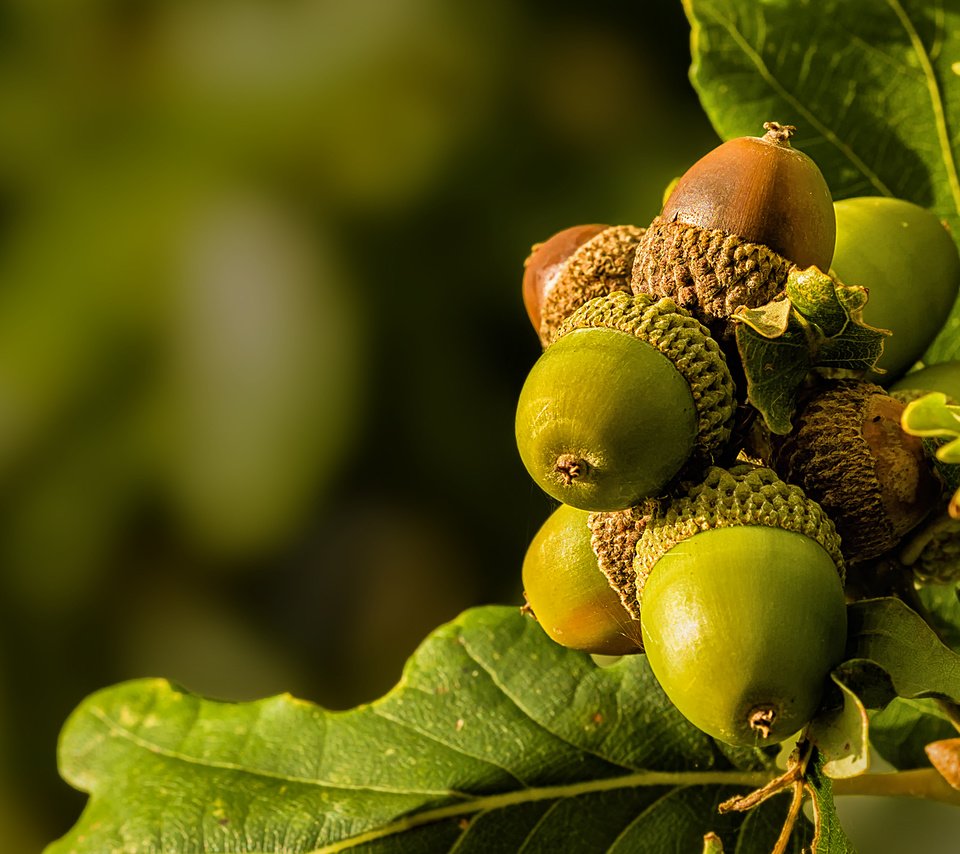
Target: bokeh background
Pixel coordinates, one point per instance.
(261, 334)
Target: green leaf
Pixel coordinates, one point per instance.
(817, 324)
(775, 369)
(841, 735)
(942, 604)
(932, 417)
(902, 730)
(871, 86)
(895, 638)
(831, 838)
(494, 739)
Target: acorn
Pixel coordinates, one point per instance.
(942, 376)
(576, 265)
(631, 391)
(908, 261)
(742, 610)
(579, 582)
(735, 225)
(848, 452)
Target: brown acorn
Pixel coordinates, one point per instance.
(574, 266)
(848, 453)
(734, 226)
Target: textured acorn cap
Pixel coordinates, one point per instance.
(684, 341)
(707, 272)
(741, 495)
(848, 452)
(614, 538)
(602, 265)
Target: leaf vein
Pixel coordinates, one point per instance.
(527, 713)
(765, 72)
(936, 96)
(437, 740)
(115, 727)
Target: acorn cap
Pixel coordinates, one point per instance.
(600, 266)
(741, 495)
(849, 453)
(684, 341)
(706, 271)
(614, 537)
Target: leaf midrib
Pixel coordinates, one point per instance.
(936, 98)
(674, 779)
(765, 72)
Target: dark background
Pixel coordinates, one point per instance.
(261, 334)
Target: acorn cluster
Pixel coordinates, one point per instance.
(687, 529)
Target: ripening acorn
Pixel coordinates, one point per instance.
(908, 261)
(942, 376)
(614, 409)
(579, 582)
(574, 266)
(734, 226)
(848, 452)
(742, 609)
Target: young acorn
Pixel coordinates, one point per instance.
(576, 265)
(579, 582)
(907, 259)
(848, 452)
(734, 226)
(742, 610)
(632, 389)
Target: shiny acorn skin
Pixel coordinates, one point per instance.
(764, 191)
(741, 627)
(908, 261)
(569, 594)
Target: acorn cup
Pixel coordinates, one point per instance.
(848, 452)
(579, 582)
(742, 609)
(631, 392)
(734, 226)
(573, 266)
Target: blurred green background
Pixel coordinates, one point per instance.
(261, 334)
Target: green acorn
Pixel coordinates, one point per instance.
(742, 608)
(631, 391)
(579, 583)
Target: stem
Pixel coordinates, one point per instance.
(792, 815)
(920, 783)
